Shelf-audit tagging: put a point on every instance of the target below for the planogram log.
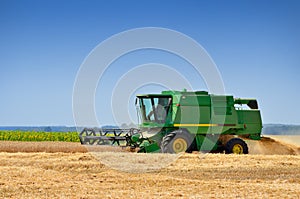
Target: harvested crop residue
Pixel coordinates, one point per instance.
(135, 162)
(274, 145)
(270, 146)
(68, 171)
(50, 147)
(81, 175)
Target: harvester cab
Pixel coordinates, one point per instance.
(154, 110)
(185, 121)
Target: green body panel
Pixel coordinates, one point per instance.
(206, 143)
(201, 114)
(147, 147)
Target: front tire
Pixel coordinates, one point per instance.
(236, 146)
(177, 141)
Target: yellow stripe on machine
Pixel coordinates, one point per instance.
(179, 125)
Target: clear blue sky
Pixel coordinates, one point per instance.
(255, 44)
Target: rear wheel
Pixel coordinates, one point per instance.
(236, 146)
(176, 142)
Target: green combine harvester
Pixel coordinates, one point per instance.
(183, 121)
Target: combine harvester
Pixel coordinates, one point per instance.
(183, 121)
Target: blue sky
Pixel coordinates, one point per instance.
(255, 44)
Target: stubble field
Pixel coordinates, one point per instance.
(66, 170)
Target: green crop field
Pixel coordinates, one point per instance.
(39, 136)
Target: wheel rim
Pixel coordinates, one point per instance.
(237, 149)
(179, 145)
